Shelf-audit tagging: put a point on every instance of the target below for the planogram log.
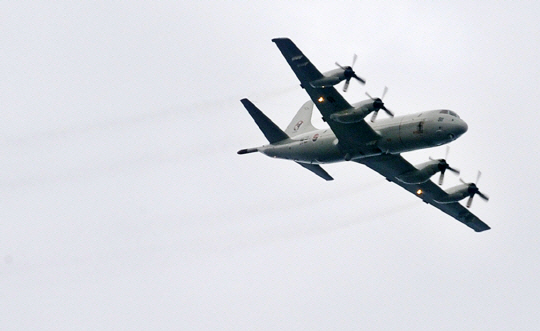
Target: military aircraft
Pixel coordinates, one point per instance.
(377, 144)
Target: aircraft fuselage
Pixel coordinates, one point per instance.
(397, 135)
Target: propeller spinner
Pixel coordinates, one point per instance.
(473, 190)
(443, 166)
(349, 73)
(378, 104)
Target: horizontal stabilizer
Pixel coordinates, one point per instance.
(317, 170)
(270, 130)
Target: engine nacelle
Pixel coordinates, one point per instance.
(455, 194)
(349, 116)
(354, 115)
(421, 174)
(325, 82)
(331, 78)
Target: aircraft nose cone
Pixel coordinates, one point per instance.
(462, 127)
(458, 129)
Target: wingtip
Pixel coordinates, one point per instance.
(280, 38)
(483, 229)
(246, 102)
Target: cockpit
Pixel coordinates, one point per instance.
(451, 113)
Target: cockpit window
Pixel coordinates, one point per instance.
(446, 111)
(453, 114)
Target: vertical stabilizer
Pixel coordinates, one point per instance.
(301, 123)
(270, 130)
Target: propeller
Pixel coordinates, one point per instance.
(473, 190)
(349, 73)
(378, 104)
(443, 166)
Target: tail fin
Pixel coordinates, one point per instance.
(271, 131)
(302, 121)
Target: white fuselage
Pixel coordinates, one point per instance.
(397, 135)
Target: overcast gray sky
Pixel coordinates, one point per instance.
(123, 204)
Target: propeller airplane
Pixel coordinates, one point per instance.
(377, 144)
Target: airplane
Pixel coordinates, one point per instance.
(377, 144)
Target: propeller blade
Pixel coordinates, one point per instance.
(478, 176)
(447, 151)
(361, 80)
(454, 170)
(346, 86)
(384, 92)
(354, 60)
(461, 179)
(469, 202)
(342, 67)
(369, 96)
(374, 116)
(388, 111)
(441, 178)
(483, 196)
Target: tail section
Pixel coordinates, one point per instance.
(270, 130)
(302, 121)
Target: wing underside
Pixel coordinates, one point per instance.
(391, 166)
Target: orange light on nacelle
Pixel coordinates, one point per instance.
(321, 99)
(419, 192)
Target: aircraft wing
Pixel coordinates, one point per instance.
(390, 166)
(355, 137)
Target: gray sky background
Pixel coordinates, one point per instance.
(123, 204)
